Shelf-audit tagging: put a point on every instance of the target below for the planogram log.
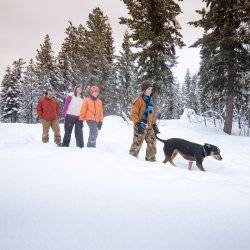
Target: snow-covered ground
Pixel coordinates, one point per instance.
(103, 199)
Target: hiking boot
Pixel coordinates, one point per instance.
(152, 160)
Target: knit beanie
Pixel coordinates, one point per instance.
(94, 89)
(146, 85)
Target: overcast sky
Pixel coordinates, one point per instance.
(24, 24)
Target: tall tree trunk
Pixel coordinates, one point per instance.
(229, 115)
(248, 129)
(155, 98)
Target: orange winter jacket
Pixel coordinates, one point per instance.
(48, 108)
(91, 110)
(137, 111)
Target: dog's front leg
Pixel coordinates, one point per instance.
(190, 165)
(199, 165)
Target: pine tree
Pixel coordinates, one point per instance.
(210, 99)
(99, 52)
(5, 85)
(155, 34)
(126, 71)
(225, 57)
(65, 76)
(72, 61)
(10, 95)
(179, 103)
(186, 90)
(169, 100)
(28, 94)
(46, 69)
(190, 92)
(195, 94)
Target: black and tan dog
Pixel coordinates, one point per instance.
(189, 151)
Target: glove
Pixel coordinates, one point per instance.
(99, 125)
(140, 127)
(156, 130)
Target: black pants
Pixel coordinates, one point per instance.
(69, 123)
(93, 133)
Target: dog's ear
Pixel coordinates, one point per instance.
(207, 145)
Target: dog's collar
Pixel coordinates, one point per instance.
(204, 151)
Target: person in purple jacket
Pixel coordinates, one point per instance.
(71, 112)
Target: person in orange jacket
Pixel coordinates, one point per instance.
(92, 113)
(48, 113)
(145, 128)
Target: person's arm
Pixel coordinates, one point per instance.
(101, 111)
(83, 110)
(135, 111)
(57, 109)
(99, 124)
(66, 105)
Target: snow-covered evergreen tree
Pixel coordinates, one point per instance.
(127, 76)
(155, 34)
(72, 59)
(186, 89)
(190, 92)
(99, 52)
(29, 94)
(169, 100)
(178, 103)
(10, 95)
(64, 72)
(196, 94)
(210, 99)
(47, 70)
(5, 84)
(87, 58)
(225, 56)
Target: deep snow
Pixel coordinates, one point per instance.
(70, 198)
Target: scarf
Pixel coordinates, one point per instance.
(149, 109)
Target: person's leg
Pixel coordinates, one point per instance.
(46, 126)
(79, 133)
(56, 129)
(68, 127)
(137, 143)
(93, 133)
(151, 145)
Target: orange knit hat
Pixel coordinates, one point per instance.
(94, 89)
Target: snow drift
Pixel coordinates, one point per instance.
(71, 198)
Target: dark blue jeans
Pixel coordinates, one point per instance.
(69, 123)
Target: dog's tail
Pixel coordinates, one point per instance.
(159, 139)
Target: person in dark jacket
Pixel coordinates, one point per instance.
(48, 113)
(71, 112)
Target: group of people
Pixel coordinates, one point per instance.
(77, 109)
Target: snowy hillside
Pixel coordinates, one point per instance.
(103, 199)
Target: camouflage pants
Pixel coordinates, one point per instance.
(56, 129)
(150, 139)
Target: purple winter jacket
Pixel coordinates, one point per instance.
(66, 106)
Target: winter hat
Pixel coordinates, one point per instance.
(94, 89)
(48, 90)
(146, 85)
